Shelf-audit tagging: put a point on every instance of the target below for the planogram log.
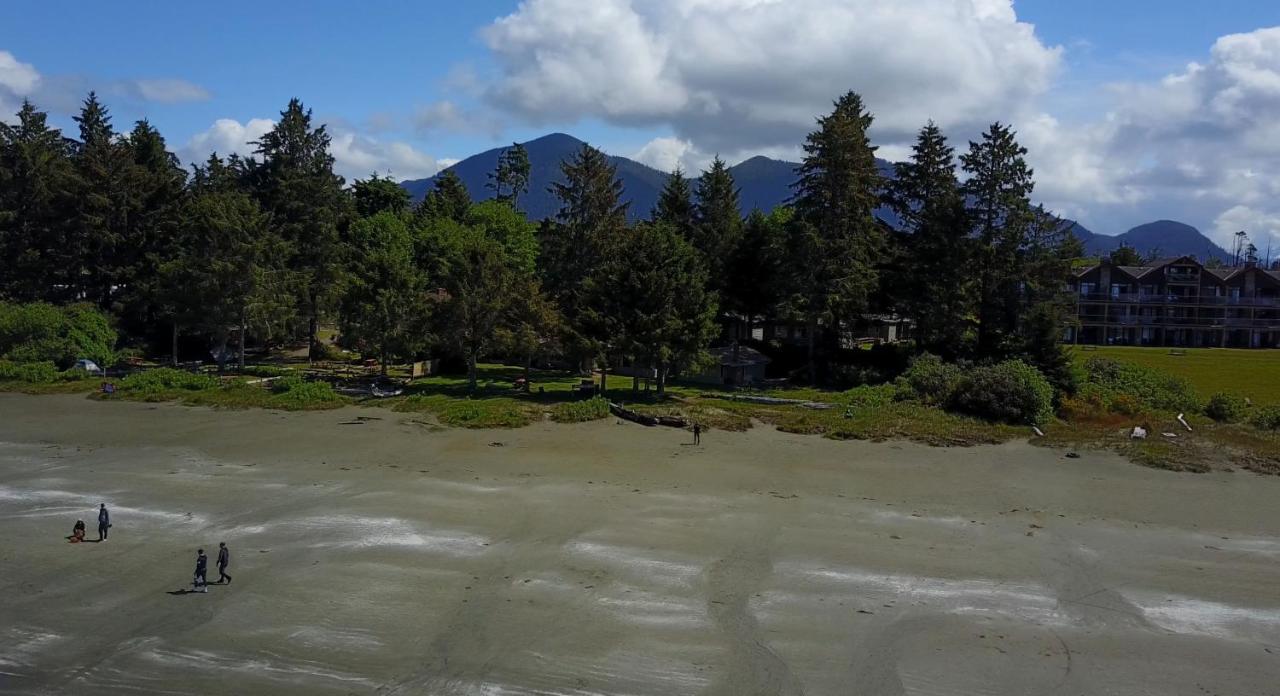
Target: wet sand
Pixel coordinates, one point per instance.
(387, 556)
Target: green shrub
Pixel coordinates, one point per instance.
(1226, 408)
(36, 373)
(581, 411)
(1011, 392)
(867, 396)
(166, 379)
(40, 332)
(305, 395)
(1267, 418)
(1151, 389)
(287, 384)
(484, 413)
(929, 379)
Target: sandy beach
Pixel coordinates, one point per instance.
(373, 553)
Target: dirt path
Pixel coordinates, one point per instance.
(385, 558)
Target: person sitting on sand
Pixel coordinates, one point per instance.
(77, 532)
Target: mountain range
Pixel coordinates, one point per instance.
(765, 184)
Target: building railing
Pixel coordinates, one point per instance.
(1210, 300)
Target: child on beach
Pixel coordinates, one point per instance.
(200, 583)
(77, 532)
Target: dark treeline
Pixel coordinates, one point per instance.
(266, 248)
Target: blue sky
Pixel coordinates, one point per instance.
(408, 85)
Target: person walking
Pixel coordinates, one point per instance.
(104, 521)
(697, 433)
(200, 582)
(224, 560)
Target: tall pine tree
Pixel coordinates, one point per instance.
(295, 182)
(717, 227)
(510, 179)
(675, 203)
(448, 199)
(102, 213)
(36, 192)
(935, 285)
(999, 190)
(836, 241)
(592, 216)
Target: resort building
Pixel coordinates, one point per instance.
(1176, 302)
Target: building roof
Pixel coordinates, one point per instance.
(747, 356)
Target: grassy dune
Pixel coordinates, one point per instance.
(1251, 373)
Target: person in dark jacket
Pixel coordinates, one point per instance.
(224, 560)
(104, 521)
(201, 583)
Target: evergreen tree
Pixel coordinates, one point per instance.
(934, 286)
(652, 289)
(156, 188)
(309, 209)
(382, 305)
(379, 195)
(510, 179)
(756, 275)
(448, 199)
(36, 191)
(835, 239)
(675, 203)
(999, 190)
(483, 292)
(592, 216)
(717, 227)
(97, 240)
(1125, 255)
(214, 274)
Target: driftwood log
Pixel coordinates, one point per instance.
(647, 420)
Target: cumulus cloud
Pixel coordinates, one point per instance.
(226, 136)
(766, 66)
(17, 80)
(666, 154)
(355, 155)
(1202, 144)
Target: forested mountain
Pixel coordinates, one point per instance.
(765, 184)
(1160, 238)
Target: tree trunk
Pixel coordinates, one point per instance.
(382, 356)
(223, 336)
(174, 359)
(528, 371)
(313, 330)
(604, 376)
(662, 381)
(635, 379)
(813, 338)
(471, 371)
(242, 331)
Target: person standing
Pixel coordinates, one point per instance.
(104, 522)
(697, 433)
(224, 560)
(201, 583)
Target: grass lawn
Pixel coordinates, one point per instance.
(1251, 373)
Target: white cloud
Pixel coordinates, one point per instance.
(226, 136)
(355, 155)
(666, 154)
(1201, 145)
(169, 91)
(766, 66)
(16, 76)
(17, 80)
